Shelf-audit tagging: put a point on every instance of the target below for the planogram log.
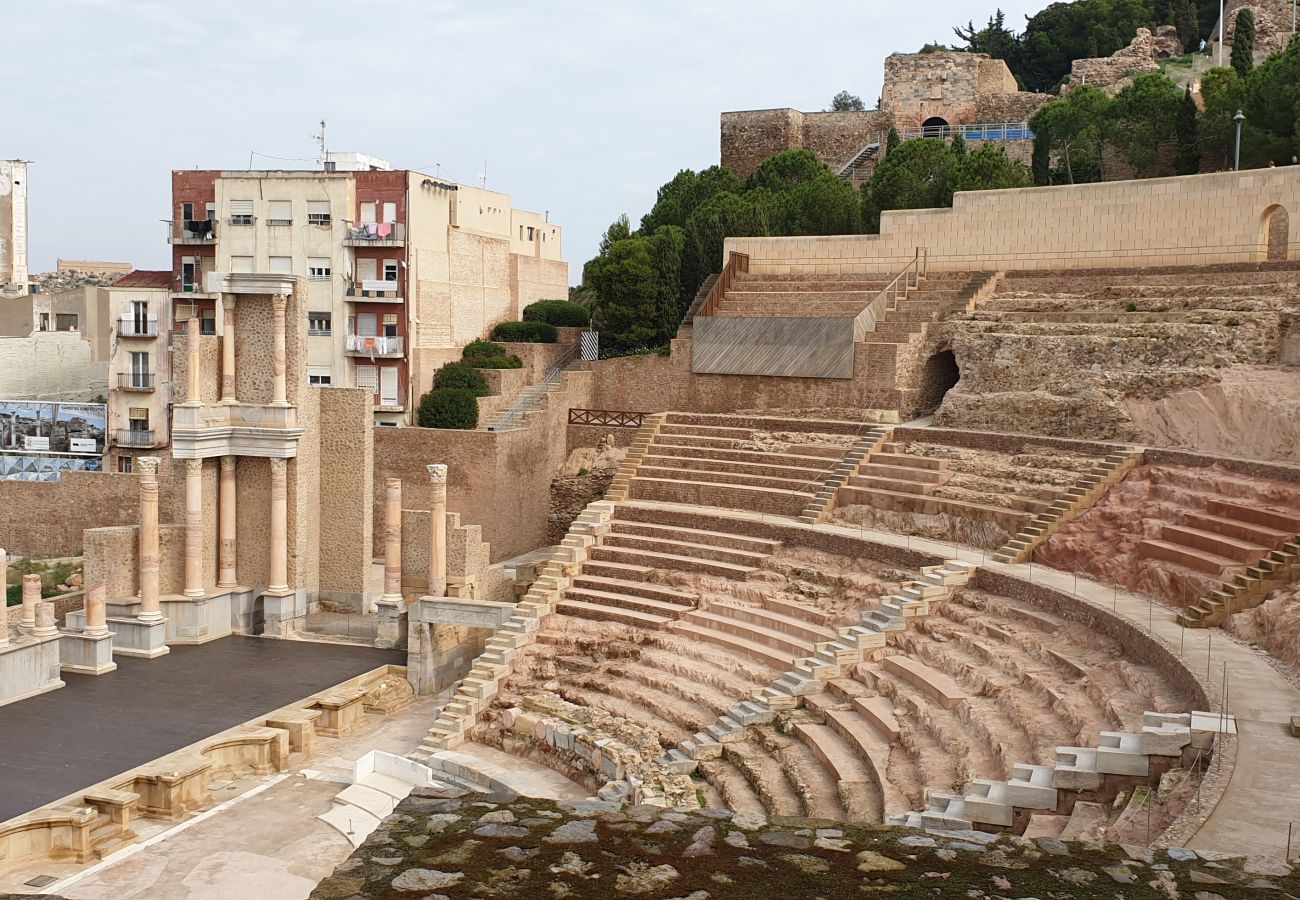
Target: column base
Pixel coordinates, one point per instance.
(131, 637)
(197, 620)
(87, 654)
(28, 666)
(194, 593)
(151, 618)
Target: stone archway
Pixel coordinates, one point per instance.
(935, 127)
(939, 375)
(1275, 233)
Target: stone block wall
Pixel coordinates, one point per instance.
(113, 557)
(347, 455)
(751, 136)
(533, 278)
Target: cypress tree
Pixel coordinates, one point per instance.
(1187, 154)
(1243, 43)
(892, 141)
(1041, 164)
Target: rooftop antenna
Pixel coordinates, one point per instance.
(483, 178)
(320, 139)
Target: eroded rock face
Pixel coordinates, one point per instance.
(1273, 625)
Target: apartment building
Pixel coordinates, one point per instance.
(139, 369)
(402, 268)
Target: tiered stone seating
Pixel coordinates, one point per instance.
(710, 460)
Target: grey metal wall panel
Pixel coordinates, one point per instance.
(770, 345)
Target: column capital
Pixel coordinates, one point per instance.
(228, 302)
(193, 467)
(393, 484)
(279, 302)
(279, 466)
(438, 473)
(227, 463)
(148, 465)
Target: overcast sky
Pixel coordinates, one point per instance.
(582, 109)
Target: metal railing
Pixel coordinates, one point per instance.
(135, 326)
(983, 131)
(530, 397)
(374, 345)
(887, 298)
(193, 231)
(870, 151)
(608, 418)
(376, 289)
(135, 381)
(135, 437)
(376, 233)
(736, 263)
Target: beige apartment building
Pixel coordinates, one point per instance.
(139, 369)
(402, 269)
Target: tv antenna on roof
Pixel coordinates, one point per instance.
(320, 139)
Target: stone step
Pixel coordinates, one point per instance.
(909, 461)
(721, 475)
(936, 685)
(879, 713)
(813, 462)
(777, 659)
(1010, 520)
(603, 613)
(791, 645)
(726, 496)
(646, 589)
(764, 470)
(1218, 544)
(875, 483)
(834, 753)
(812, 450)
(616, 571)
(625, 602)
(684, 548)
(664, 560)
(1235, 528)
(1256, 515)
(1188, 557)
(797, 628)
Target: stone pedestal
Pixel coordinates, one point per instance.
(86, 654)
(391, 627)
(29, 666)
(31, 597)
(438, 531)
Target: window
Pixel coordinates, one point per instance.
(282, 265)
(241, 263)
(390, 212)
(388, 386)
(320, 324)
(187, 211)
(191, 271)
(319, 376)
(241, 212)
(530, 232)
(318, 212)
(124, 464)
(521, 232)
(368, 213)
(138, 418)
(65, 321)
(368, 378)
(139, 364)
(281, 213)
(45, 322)
(367, 325)
(367, 269)
(390, 324)
(318, 268)
(208, 326)
(390, 270)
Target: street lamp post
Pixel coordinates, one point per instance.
(1236, 159)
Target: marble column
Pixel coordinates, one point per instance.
(279, 575)
(192, 361)
(150, 558)
(194, 528)
(228, 350)
(96, 611)
(46, 623)
(4, 591)
(226, 573)
(438, 532)
(279, 396)
(393, 540)
(31, 597)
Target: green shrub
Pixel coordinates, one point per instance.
(482, 348)
(560, 313)
(525, 332)
(460, 376)
(448, 408)
(13, 594)
(504, 361)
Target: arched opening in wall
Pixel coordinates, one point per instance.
(1275, 233)
(935, 127)
(939, 375)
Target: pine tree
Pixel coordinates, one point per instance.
(1189, 29)
(1042, 158)
(1187, 154)
(1163, 12)
(892, 141)
(1243, 43)
(958, 143)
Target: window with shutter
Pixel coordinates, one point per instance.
(368, 213)
(241, 212)
(281, 213)
(390, 324)
(281, 265)
(368, 378)
(318, 212)
(241, 263)
(320, 324)
(390, 212)
(318, 268)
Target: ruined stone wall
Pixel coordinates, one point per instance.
(751, 136)
(1187, 220)
(949, 85)
(1272, 23)
(837, 137)
(347, 455)
(1112, 73)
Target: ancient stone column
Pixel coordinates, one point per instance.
(193, 528)
(96, 610)
(228, 350)
(192, 361)
(31, 597)
(226, 575)
(46, 624)
(279, 575)
(149, 554)
(438, 532)
(279, 396)
(393, 540)
(4, 592)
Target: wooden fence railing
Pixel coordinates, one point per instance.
(608, 418)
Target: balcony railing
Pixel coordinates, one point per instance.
(135, 381)
(135, 326)
(374, 345)
(376, 234)
(193, 231)
(136, 437)
(375, 290)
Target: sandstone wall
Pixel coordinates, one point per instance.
(751, 136)
(347, 455)
(533, 278)
(1188, 220)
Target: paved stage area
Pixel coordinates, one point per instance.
(99, 726)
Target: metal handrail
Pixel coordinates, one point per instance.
(736, 263)
(861, 156)
(507, 418)
(886, 299)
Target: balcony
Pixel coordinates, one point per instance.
(137, 327)
(376, 234)
(374, 346)
(193, 231)
(136, 437)
(375, 291)
(135, 381)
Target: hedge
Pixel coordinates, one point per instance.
(482, 348)
(560, 313)
(448, 408)
(460, 376)
(13, 594)
(504, 361)
(526, 332)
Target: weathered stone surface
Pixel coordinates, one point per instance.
(580, 831)
(425, 880)
(871, 861)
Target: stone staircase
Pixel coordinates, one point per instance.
(990, 803)
(637, 449)
(1077, 499)
(821, 505)
(1230, 534)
